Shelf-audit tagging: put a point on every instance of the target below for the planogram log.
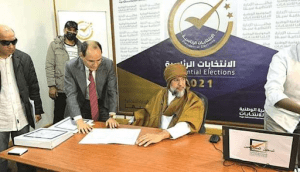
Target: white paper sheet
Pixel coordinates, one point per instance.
(68, 124)
(106, 136)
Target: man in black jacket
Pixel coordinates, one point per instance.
(18, 84)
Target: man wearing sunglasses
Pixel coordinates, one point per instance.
(18, 84)
(61, 50)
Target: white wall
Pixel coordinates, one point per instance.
(89, 5)
(34, 25)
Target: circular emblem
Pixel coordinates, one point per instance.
(85, 30)
(200, 28)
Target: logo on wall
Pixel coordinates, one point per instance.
(195, 26)
(85, 30)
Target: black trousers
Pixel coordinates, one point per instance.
(59, 107)
(86, 111)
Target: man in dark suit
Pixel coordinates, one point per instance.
(91, 87)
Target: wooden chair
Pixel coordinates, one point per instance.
(123, 121)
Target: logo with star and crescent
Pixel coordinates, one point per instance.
(199, 28)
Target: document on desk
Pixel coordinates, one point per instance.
(68, 124)
(106, 136)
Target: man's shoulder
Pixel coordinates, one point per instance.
(191, 93)
(290, 52)
(193, 97)
(107, 62)
(161, 92)
(157, 96)
(106, 59)
(19, 53)
(73, 61)
(78, 42)
(58, 40)
(22, 58)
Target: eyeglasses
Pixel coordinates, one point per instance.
(7, 43)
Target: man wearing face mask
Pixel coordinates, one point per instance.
(61, 50)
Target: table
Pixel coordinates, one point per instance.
(189, 153)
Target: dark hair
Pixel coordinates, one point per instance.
(85, 45)
(71, 24)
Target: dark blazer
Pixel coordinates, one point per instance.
(27, 84)
(76, 86)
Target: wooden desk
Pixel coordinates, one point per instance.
(189, 153)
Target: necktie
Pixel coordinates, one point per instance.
(93, 98)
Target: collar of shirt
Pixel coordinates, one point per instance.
(171, 97)
(87, 72)
(6, 58)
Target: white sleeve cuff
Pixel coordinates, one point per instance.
(276, 97)
(180, 129)
(131, 120)
(77, 117)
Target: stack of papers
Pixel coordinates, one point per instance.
(43, 138)
(68, 124)
(106, 136)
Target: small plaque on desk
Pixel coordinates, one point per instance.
(17, 151)
(43, 138)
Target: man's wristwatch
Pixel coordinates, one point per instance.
(113, 116)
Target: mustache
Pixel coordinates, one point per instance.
(174, 93)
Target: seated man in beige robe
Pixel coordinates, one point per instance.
(175, 109)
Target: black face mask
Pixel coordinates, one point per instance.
(70, 36)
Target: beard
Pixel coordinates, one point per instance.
(176, 92)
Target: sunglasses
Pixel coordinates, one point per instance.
(7, 43)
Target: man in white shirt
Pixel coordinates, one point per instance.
(18, 84)
(175, 109)
(282, 106)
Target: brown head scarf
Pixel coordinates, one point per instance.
(174, 70)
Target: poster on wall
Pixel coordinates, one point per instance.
(226, 46)
(91, 26)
